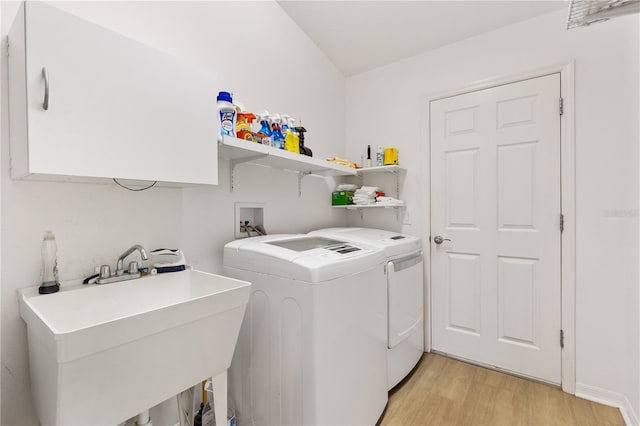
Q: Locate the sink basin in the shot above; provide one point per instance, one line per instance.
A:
(101, 354)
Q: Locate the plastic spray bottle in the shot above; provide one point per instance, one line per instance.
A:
(291, 138)
(243, 125)
(303, 149)
(285, 122)
(278, 137)
(265, 128)
(227, 112)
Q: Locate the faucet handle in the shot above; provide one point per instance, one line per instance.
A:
(133, 267)
(105, 271)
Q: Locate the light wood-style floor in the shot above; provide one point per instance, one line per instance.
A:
(443, 391)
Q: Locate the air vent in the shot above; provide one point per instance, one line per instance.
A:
(587, 12)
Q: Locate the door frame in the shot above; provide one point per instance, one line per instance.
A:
(567, 203)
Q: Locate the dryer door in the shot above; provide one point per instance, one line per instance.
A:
(405, 291)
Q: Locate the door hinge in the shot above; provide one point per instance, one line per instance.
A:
(561, 222)
(561, 104)
(561, 339)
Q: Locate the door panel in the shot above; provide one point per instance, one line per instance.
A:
(464, 292)
(517, 300)
(516, 186)
(462, 195)
(495, 188)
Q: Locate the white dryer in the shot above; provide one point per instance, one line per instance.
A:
(405, 286)
(312, 346)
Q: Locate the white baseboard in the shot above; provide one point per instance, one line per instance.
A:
(613, 399)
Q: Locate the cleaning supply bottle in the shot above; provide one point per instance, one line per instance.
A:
(49, 251)
(380, 157)
(291, 138)
(303, 149)
(285, 123)
(277, 136)
(227, 112)
(265, 127)
(243, 125)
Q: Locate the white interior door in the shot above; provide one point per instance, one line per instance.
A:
(495, 194)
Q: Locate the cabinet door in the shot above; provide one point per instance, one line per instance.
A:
(117, 108)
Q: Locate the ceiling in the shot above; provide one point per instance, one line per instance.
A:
(358, 36)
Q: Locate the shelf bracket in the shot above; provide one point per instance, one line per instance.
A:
(237, 161)
(300, 176)
(358, 209)
(397, 175)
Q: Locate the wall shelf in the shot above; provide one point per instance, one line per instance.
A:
(360, 208)
(381, 169)
(240, 151)
(391, 169)
(370, 206)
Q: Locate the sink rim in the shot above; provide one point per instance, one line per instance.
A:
(28, 295)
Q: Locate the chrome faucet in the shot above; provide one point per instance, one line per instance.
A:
(143, 255)
(105, 276)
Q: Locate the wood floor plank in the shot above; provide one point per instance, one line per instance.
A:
(447, 392)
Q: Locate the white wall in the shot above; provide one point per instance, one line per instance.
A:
(255, 50)
(2, 72)
(95, 223)
(388, 106)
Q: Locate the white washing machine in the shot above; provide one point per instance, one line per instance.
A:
(312, 346)
(405, 286)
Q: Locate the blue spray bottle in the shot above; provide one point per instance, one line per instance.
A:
(278, 137)
(265, 128)
(285, 123)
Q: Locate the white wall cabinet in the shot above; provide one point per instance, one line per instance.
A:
(116, 108)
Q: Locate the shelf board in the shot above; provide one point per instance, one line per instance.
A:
(381, 169)
(240, 151)
(370, 206)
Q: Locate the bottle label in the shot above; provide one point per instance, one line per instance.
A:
(226, 123)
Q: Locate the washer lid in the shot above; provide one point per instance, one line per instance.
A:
(393, 243)
(301, 257)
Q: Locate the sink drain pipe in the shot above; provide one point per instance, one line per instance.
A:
(143, 419)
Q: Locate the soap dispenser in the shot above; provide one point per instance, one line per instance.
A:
(49, 252)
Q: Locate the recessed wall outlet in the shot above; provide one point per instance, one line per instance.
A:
(248, 216)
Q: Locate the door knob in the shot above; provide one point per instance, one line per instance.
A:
(439, 240)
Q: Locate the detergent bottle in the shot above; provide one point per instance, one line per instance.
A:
(277, 136)
(291, 138)
(243, 125)
(227, 112)
(265, 128)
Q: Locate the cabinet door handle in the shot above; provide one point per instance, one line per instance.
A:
(45, 102)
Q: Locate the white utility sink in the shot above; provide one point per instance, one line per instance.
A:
(100, 354)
